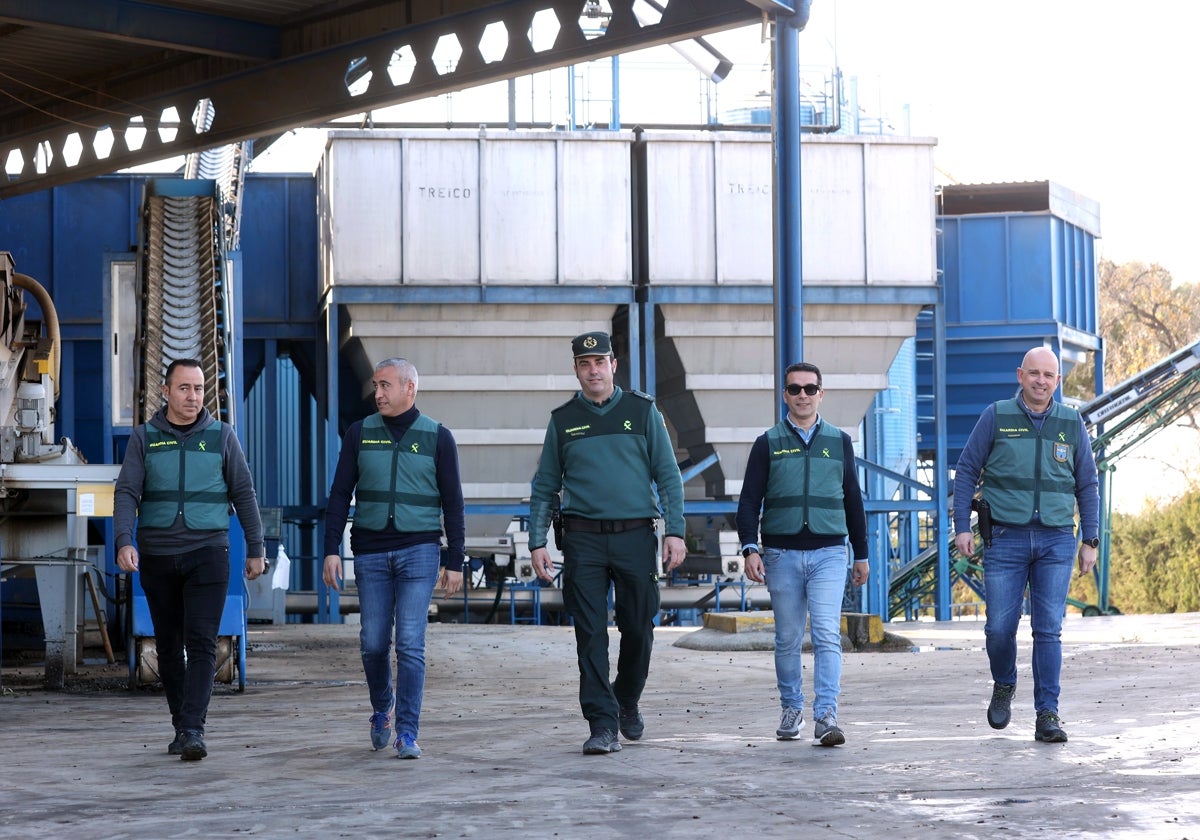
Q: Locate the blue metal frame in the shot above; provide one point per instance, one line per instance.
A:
(789, 312)
(940, 465)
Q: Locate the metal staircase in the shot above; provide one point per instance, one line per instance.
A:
(1124, 417)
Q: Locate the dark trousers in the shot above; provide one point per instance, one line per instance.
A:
(186, 595)
(590, 563)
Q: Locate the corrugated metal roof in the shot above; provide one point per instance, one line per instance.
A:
(1021, 197)
(271, 11)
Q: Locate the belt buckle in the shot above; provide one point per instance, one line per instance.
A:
(608, 526)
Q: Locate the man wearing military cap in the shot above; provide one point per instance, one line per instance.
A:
(608, 452)
(592, 344)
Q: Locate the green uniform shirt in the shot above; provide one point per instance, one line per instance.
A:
(603, 459)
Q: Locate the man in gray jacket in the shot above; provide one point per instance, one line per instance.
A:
(181, 473)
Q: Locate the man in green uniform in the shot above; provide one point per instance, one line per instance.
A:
(608, 452)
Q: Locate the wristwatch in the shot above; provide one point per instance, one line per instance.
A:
(748, 550)
(1094, 542)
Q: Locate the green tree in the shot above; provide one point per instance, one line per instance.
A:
(1154, 555)
(1144, 317)
(1155, 559)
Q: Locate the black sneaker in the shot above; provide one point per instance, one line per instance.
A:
(602, 741)
(176, 746)
(999, 712)
(193, 748)
(1049, 729)
(631, 723)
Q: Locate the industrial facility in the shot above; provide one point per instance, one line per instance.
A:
(713, 254)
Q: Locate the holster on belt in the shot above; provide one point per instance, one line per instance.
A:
(984, 510)
(556, 521)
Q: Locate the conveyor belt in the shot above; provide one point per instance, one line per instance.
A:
(183, 312)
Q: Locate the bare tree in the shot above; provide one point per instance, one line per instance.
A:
(1144, 317)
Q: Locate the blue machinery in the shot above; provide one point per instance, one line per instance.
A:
(1061, 251)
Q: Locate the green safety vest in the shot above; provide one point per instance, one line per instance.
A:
(1029, 470)
(804, 484)
(397, 480)
(185, 477)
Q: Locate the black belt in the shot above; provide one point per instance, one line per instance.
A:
(604, 526)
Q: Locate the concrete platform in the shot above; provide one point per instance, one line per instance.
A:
(502, 733)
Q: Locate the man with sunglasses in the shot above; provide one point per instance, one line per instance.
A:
(1034, 458)
(801, 481)
(607, 450)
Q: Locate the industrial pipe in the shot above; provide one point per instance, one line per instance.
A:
(50, 316)
(481, 599)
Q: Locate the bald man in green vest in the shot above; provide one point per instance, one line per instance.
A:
(1034, 460)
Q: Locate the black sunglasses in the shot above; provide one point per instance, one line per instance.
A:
(794, 390)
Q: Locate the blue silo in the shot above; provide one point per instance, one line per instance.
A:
(1018, 262)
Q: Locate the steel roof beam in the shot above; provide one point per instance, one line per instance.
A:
(148, 23)
(307, 88)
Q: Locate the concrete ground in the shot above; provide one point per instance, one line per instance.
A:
(502, 732)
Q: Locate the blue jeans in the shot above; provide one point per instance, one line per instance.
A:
(186, 596)
(1042, 559)
(394, 590)
(808, 584)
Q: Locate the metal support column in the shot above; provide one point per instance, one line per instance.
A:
(1104, 554)
(789, 330)
(614, 118)
(328, 607)
(941, 470)
(641, 327)
(60, 592)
